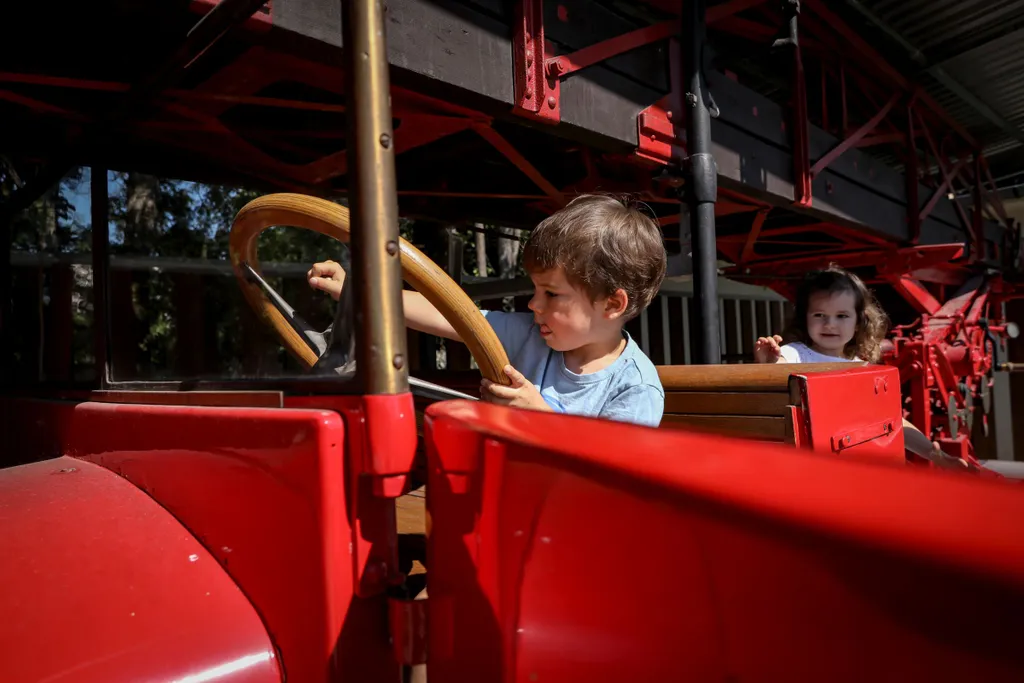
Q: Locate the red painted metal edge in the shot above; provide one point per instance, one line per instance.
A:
(784, 565)
(103, 584)
(268, 493)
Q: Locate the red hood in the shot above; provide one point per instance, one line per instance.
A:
(100, 583)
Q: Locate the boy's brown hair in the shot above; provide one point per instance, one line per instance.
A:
(872, 323)
(603, 245)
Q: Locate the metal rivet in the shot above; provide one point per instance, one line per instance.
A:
(552, 102)
(385, 140)
(399, 361)
(392, 248)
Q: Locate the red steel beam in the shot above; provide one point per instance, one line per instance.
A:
(854, 137)
(942, 189)
(911, 176)
(172, 93)
(755, 230)
(522, 163)
(947, 177)
(994, 199)
(592, 54)
(38, 105)
(885, 258)
(881, 139)
(872, 57)
(915, 293)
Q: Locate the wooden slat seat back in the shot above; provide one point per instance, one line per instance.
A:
(750, 401)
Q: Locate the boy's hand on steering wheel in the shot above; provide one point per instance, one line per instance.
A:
(328, 277)
(522, 394)
(767, 349)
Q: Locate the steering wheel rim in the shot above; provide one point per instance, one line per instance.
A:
(328, 218)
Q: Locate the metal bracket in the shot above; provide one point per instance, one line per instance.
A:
(854, 437)
(536, 93)
(656, 135)
(538, 77)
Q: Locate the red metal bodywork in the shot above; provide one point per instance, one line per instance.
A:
(272, 496)
(100, 583)
(946, 360)
(537, 521)
(854, 413)
(575, 550)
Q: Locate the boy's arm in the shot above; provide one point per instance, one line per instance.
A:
(641, 404)
(421, 316)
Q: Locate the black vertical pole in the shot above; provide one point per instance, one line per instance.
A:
(701, 186)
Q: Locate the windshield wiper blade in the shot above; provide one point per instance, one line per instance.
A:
(314, 340)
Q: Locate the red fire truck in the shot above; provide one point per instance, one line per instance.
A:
(355, 523)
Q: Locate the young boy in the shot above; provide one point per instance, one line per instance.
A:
(595, 265)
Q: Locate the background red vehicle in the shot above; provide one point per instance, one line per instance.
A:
(178, 507)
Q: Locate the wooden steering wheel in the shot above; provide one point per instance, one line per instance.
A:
(331, 219)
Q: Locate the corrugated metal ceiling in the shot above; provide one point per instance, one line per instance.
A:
(976, 43)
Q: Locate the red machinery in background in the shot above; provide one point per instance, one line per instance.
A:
(947, 357)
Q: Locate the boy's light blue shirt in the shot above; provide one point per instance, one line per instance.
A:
(628, 390)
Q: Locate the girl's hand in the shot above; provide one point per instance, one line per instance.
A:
(767, 349)
(328, 277)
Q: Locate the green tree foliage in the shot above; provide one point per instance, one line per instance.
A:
(178, 317)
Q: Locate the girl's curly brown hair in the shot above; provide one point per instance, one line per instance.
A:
(872, 323)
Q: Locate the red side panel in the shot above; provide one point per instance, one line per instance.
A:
(566, 549)
(266, 491)
(856, 412)
(99, 583)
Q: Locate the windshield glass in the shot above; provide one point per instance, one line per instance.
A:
(175, 310)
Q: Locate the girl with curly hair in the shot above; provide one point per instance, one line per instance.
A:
(837, 319)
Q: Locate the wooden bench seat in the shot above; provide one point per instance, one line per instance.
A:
(751, 401)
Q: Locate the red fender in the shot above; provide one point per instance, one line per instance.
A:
(100, 583)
